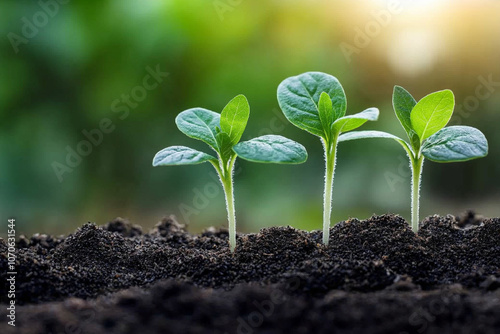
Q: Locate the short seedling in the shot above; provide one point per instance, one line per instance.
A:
(424, 123)
(316, 102)
(222, 132)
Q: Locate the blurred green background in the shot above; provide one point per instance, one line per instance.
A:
(69, 66)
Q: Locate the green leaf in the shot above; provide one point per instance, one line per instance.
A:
(326, 115)
(432, 113)
(224, 143)
(455, 143)
(199, 123)
(403, 103)
(414, 140)
(180, 155)
(271, 149)
(354, 135)
(351, 122)
(299, 96)
(234, 118)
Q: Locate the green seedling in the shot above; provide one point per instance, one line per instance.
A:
(222, 132)
(424, 122)
(316, 102)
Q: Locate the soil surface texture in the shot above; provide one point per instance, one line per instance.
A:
(376, 276)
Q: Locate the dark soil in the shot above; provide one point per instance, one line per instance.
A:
(376, 276)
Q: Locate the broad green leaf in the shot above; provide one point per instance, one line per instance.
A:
(326, 114)
(199, 123)
(180, 155)
(455, 143)
(234, 118)
(432, 113)
(351, 122)
(299, 96)
(224, 143)
(372, 134)
(403, 103)
(271, 149)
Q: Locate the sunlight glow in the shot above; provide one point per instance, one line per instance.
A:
(415, 4)
(413, 52)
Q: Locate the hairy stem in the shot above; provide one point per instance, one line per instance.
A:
(228, 191)
(330, 155)
(226, 176)
(416, 169)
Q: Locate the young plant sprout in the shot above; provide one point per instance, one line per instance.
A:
(424, 123)
(316, 102)
(222, 132)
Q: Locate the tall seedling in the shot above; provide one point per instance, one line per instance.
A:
(316, 102)
(222, 132)
(424, 122)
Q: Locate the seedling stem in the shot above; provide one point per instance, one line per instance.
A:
(330, 147)
(226, 177)
(416, 168)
